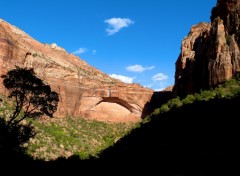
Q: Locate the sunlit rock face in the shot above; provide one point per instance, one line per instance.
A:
(210, 53)
(83, 90)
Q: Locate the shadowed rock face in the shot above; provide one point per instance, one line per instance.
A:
(210, 53)
(83, 89)
(191, 67)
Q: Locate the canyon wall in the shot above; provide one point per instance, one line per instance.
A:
(83, 90)
(210, 53)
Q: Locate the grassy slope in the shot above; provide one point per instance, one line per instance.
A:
(64, 137)
(73, 136)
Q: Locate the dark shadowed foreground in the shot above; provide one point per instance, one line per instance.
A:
(195, 139)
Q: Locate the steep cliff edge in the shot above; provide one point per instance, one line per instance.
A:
(83, 89)
(210, 53)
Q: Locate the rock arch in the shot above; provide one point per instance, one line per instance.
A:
(114, 109)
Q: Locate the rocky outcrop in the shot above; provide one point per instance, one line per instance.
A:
(191, 66)
(210, 53)
(225, 41)
(84, 90)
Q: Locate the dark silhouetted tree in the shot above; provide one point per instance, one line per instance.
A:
(32, 98)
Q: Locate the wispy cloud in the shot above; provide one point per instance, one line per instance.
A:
(94, 52)
(159, 77)
(160, 85)
(139, 68)
(122, 78)
(160, 89)
(157, 85)
(84, 50)
(160, 81)
(79, 51)
(116, 24)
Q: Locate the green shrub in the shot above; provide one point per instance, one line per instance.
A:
(189, 99)
(221, 92)
(176, 102)
(207, 95)
(164, 108)
(74, 136)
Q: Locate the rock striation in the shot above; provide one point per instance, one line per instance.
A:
(83, 90)
(210, 53)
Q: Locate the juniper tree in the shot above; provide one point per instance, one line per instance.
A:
(31, 96)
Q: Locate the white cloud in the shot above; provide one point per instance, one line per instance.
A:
(122, 78)
(159, 77)
(94, 52)
(158, 90)
(116, 24)
(160, 86)
(138, 68)
(157, 85)
(79, 51)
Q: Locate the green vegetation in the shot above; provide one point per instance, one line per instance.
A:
(34, 54)
(22, 129)
(29, 98)
(227, 90)
(63, 137)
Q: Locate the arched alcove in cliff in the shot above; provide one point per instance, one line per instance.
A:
(115, 110)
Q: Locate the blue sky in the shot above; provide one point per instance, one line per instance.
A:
(133, 40)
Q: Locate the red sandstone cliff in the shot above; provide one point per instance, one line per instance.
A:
(83, 89)
(210, 53)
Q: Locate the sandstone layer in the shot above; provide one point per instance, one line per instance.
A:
(84, 90)
(210, 53)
